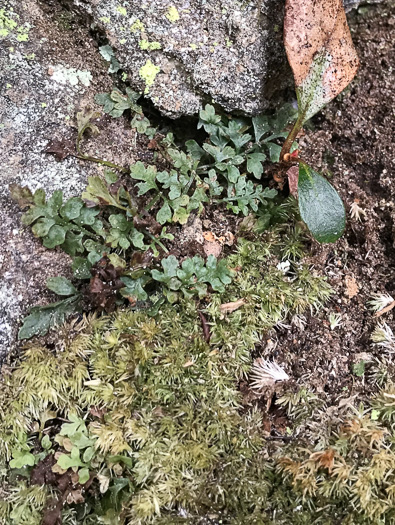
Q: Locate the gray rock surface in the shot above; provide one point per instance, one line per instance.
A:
(49, 69)
(229, 52)
(221, 51)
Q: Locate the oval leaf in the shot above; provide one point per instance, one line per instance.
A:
(319, 50)
(320, 206)
(61, 286)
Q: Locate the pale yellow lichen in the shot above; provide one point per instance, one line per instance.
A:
(172, 14)
(137, 26)
(8, 26)
(149, 46)
(122, 10)
(148, 73)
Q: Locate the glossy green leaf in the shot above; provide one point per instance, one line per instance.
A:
(55, 236)
(21, 458)
(66, 461)
(261, 126)
(41, 319)
(320, 206)
(164, 214)
(254, 164)
(83, 475)
(134, 288)
(81, 268)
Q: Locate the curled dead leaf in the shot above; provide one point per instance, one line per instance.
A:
(227, 308)
(210, 236)
(75, 496)
(385, 310)
(325, 459)
(293, 177)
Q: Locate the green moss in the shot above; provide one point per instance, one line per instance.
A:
(148, 73)
(65, 20)
(171, 404)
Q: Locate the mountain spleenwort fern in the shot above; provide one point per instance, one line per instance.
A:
(109, 222)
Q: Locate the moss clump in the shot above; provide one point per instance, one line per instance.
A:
(135, 420)
(346, 474)
(160, 404)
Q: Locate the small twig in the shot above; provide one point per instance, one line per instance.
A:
(292, 136)
(80, 154)
(385, 310)
(280, 438)
(227, 308)
(206, 328)
(205, 167)
(189, 184)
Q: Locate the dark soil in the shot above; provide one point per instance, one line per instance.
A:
(353, 141)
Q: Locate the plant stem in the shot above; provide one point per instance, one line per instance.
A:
(204, 168)
(189, 183)
(94, 159)
(102, 162)
(291, 137)
(157, 241)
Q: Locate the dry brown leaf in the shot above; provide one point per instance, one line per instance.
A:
(227, 308)
(320, 51)
(293, 176)
(229, 238)
(209, 236)
(75, 496)
(58, 469)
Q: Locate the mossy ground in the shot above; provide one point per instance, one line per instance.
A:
(332, 463)
(149, 418)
